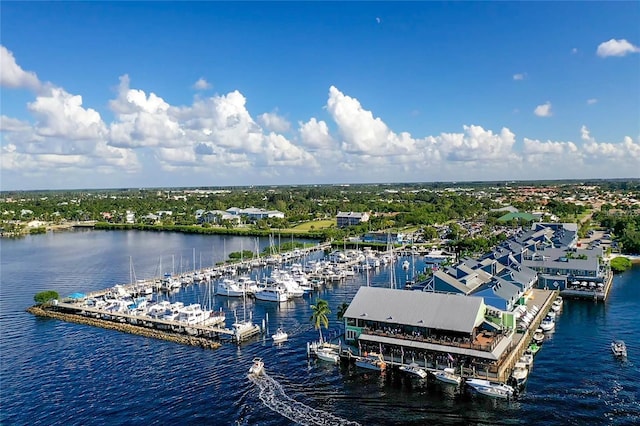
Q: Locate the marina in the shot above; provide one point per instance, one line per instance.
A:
(293, 314)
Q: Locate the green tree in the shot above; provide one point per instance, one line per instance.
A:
(45, 297)
(341, 310)
(320, 316)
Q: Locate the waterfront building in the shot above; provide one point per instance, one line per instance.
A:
(383, 237)
(435, 330)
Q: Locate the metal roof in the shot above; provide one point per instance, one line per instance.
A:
(423, 309)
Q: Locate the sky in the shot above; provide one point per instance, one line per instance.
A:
(200, 94)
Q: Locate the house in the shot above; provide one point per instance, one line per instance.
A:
(253, 214)
(217, 216)
(344, 219)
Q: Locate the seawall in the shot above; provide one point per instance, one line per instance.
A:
(125, 328)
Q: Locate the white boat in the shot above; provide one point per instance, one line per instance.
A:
(538, 336)
(280, 336)
(547, 324)
(448, 375)
(257, 367)
(230, 288)
(328, 355)
(493, 389)
(405, 264)
(371, 361)
(493, 392)
(520, 373)
(619, 349)
(272, 293)
(414, 369)
(527, 359)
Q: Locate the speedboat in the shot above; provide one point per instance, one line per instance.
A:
(547, 324)
(520, 373)
(538, 336)
(371, 361)
(619, 349)
(527, 359)
(493, 389)
(448, 376)
(257, 367)
(327, 354)
(533, 349)
(414, 369)
(280, 336)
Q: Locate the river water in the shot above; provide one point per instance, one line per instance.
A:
(54, 372)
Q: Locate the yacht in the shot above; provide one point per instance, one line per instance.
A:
(328, 354)
(448, 375)
(619, 349)
(231, 288)
(272, 293)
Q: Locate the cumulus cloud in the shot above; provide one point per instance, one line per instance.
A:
(519, 76)
(274, 122)
(543, 110)
(201, 84)
(12, 75)
(315, 135)
(615, 47)
(592, 101)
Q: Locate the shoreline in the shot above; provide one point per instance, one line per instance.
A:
(125, 328)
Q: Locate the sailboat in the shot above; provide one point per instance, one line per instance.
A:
(246, 328)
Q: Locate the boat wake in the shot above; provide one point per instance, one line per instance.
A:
(274, 397)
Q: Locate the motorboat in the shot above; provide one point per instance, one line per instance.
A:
(230, 288)
(619, 349)
(371, 361)
(328, 355)
(447, 375)
(257, 367)
(279, 336)
(533, 348)
(527, 359)
(272, 293)
(414, 369)
(548, 324)
(520, 373)
(493, 389)
(493, 392)
(538, 336)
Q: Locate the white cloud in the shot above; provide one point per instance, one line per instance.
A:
(543, 110)
(592, 101)
(519, 76)
(202, 84)
(615, 47)
(315, 135)
(12, 75)
(142, 120)
(274, 122)
(574, 50)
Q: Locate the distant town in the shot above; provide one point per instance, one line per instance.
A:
(467, 219)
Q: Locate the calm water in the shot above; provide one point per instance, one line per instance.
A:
(59, 373)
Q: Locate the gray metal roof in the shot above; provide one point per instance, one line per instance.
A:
(424, 309)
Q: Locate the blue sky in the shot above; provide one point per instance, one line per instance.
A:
(98, 94)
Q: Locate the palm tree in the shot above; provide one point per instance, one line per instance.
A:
(341, 310)
(320, 315)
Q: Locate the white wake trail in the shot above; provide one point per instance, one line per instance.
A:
(274, 397)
